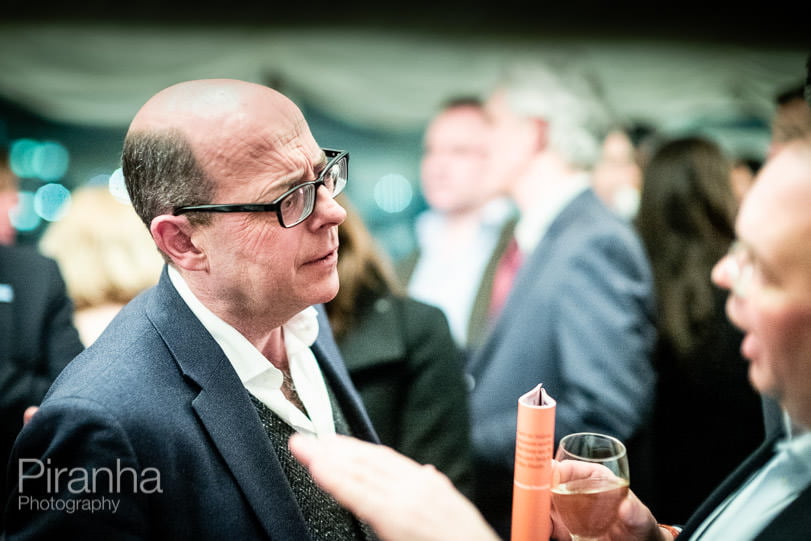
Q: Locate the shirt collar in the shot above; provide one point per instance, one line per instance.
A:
(248, 362)
(532, 225)
(491, 216)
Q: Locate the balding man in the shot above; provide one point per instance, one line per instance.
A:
(174, 424)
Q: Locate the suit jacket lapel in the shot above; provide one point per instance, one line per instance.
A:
(334, 370)
(479, 321)
(732, 483)
(529, 274)
(569, 215)
(225, 410)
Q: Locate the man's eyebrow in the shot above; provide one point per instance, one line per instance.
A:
(321, 163)
(291, 183)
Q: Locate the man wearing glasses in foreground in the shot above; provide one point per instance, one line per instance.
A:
(174, 424)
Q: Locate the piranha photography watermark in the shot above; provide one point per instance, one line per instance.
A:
(43, 486)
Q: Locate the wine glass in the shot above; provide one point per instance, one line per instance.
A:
(588, 502)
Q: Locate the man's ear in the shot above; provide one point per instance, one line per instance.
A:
(173, 235)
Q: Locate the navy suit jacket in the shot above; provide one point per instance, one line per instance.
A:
(155, 393)
(793, 523)
(580, 318)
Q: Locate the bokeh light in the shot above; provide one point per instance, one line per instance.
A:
(117, 186)
(51, 201)
(393, 193)
(23, 216)
(50, 161)
(47, 161)
(21, 157)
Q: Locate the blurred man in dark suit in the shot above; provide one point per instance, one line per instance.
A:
(37, 337)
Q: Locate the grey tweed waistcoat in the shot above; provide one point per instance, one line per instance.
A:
(325, 519)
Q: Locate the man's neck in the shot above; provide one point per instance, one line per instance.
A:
(262, 331)
(546, 174)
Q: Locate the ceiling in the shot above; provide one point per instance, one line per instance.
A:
(778, 27)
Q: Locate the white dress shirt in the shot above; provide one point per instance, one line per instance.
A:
(449, 276)
(768, 492)
(260, 377)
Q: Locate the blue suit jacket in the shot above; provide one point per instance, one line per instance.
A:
(580, 318)
(155, 393)
(793, 523)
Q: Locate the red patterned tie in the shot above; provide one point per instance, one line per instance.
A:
(503, 277)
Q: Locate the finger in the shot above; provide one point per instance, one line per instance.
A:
(29, 413)
(303, 447)
(346, 468)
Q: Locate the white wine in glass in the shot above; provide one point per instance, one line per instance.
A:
(588, 504)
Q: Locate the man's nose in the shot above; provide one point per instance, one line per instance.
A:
(721, 273)
(328, 207)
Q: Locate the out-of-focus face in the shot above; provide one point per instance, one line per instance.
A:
(773, 306)
(513, 143)
(617, 174)
(453, 161)
(256, 148)
(8, 200)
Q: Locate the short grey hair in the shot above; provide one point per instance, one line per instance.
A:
(567, 100)
(162, 173)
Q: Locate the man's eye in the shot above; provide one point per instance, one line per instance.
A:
(290, 201)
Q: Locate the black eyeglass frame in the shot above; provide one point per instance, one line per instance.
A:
(334, 157)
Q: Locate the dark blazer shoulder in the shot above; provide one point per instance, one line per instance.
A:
(600, 222)
(31, 273)
(23, 255)
(732, 483)
(385, 329)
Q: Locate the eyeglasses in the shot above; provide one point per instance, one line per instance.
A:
(740, 268)
(295, 205)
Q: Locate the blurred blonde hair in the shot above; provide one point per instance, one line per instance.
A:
(105, 253)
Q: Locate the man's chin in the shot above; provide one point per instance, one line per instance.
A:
(327, 293)
(762, 381)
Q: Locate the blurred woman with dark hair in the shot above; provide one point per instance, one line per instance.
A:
(707, 417)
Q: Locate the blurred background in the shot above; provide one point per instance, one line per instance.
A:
(369, 78)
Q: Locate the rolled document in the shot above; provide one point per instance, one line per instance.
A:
(534, 445)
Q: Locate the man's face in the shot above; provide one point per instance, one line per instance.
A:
(774, 310)
(513, 143)
(453, 160)
(254, 265)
